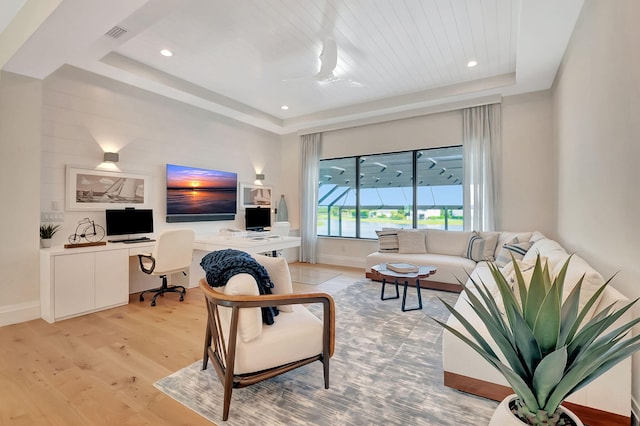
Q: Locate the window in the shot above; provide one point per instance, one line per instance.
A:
(358, 195)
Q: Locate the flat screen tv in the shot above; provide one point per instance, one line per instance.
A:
(195, 194)
(257, 218)
(129, 221)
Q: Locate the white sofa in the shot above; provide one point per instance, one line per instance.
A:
(448, 251)
(606, 401)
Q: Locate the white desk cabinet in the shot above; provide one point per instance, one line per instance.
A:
(74, 282)
(82, 280)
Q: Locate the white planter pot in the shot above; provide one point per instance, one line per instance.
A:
(45, 242)
(503, 416)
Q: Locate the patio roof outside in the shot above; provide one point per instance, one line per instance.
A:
(429, 197)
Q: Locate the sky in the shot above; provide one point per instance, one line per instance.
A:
(191, 177)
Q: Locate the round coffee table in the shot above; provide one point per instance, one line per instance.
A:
(386, 274)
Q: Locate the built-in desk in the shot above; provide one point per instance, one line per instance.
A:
(85, 279)
(251, 245)
(78, 281)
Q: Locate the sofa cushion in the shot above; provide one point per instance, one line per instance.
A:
(482, 247)
(515, 248)
(590, 284)
(388, 241)
(550, 249)
(278, 270)
(536, 236)
(508, 236)
(450, 268)
(411, 241)
(453, 243)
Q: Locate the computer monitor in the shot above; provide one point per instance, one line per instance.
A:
(129, 221)
(257, 218)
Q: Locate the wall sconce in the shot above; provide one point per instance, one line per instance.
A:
(111, 157)
(259, 179)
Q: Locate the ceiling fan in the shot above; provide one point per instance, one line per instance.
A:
(328, 63)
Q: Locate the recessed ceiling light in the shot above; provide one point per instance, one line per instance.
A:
(166, 52)
(284, 107)
(472, 64)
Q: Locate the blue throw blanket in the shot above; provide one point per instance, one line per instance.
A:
(219, 266)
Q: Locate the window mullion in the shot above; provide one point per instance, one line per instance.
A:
(357, 159)
(414, 206)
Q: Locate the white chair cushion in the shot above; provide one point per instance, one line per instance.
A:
(278, 270)
(249, 319)
(294, 336)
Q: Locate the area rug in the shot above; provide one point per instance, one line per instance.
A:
(387, 370)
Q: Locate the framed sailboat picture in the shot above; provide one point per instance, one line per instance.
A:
(88, 189)
(255, 195)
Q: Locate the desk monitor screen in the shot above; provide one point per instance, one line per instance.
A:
(257, 218)
(129, 221)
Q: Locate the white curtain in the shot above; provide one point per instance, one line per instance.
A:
(481, 145)
(311, 148)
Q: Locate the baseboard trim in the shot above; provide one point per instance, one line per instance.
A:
(590, 416)
(20, 312)
(350, 262)
(635, 412)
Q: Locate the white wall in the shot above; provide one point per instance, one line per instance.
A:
(85, 115)
(597, 105)
(20, 100)
(528, 164)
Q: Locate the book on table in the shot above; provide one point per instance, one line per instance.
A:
(402, 268)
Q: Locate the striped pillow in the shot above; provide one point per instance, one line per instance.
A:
(481, 248)
(388, 241)
(514, 247)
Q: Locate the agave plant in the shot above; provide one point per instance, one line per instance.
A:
(47, 231)
(551, 350)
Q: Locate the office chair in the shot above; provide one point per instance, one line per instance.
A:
(242, 351)
(172, 253)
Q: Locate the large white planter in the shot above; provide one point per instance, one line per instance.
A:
(45, 242)
(503, 416)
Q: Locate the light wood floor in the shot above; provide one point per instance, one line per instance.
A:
(99, 369)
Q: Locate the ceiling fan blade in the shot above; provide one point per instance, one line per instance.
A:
(328, 60)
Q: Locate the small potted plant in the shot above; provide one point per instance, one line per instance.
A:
(551, 350)
(46, 233)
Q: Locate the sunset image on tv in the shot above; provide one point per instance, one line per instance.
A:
(192, 190)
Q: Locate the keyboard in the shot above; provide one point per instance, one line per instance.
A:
(137, 240)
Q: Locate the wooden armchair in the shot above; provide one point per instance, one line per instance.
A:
(244, 351)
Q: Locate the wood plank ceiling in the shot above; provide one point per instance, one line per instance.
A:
(264, 53)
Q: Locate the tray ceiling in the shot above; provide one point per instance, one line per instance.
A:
(245, 59)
